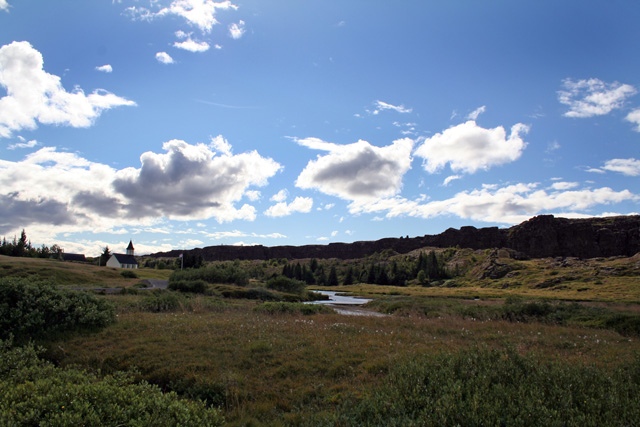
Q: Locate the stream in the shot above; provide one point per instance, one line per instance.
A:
(347, 305)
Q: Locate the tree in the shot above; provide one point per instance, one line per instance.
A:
(106, 254)
(333, 277)
(348, 278)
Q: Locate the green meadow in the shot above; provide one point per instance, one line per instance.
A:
(542, 342)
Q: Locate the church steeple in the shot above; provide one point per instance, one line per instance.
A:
(130, 248)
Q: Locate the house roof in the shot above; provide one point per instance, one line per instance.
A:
(73, 257)
(125, 259)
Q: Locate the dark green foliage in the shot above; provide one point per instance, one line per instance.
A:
(192, 286)
(285, 284)
(333, 277)
(22, 248)
(348, 277)
(162, 301)
(226, 272)
(498, 387)
(34, 392)
(129, 274)
(292, 308)
(30, 309)
(104, 257)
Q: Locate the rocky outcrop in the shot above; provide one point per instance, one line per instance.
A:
(541, 236)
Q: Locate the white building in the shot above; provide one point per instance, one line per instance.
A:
(123, 260)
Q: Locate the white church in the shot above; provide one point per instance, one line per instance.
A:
(123, 260)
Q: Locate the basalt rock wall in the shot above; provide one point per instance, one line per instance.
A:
(541, 236)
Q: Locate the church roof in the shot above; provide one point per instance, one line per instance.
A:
(125, 259)
(130, 245)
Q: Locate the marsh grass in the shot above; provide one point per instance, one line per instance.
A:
(271, 367)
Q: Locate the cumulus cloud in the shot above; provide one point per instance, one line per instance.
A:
(199, 13)
(468, 147)
(629, 167)
(593, 97)
(634, 117)
(190, 181)
(476, 113)
(192, 45)
(356, 171)
(4, 5)
(35, 96)
(508, 205)
(220, 144)
(236, 30)
(164, 58)
(380, 106)
(299, 204)
(564, 185)
(105, 68)
(280, 196)
(448, 179)
(186, 182)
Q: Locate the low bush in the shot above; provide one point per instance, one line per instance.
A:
(160, 302)
(33, 310)
(285, 284)
(34, 392)
(292, 308)
(192, 286)
(128, 274)
(498, 387)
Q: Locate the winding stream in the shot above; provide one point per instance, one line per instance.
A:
(347, 305)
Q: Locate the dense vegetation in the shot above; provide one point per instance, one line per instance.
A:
(29, 309)
(35, 392)
(22, 248)
(468, 337)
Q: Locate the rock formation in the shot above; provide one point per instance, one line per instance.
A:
(541, 236)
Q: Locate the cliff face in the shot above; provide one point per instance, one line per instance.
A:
(540, 237)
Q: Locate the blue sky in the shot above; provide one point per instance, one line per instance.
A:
(189, 123)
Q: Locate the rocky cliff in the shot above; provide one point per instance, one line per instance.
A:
(541, 236)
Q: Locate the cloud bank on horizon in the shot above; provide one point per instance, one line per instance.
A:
(90, 170)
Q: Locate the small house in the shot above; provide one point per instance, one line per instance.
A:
(73, 257)
(123, 260)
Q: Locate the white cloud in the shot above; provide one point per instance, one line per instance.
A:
(564, 185)
(164, 58)
(334, 233)
(199, 13)
(192, 45)
(299, 204)
(593, 97)
(50, 191)
(35, 96)
(28, 144)
(468, 147)
(508, 205)
(221, 145)
(382, 106)
(629, 167)
(105, 68)
(253, 195)
(357, 171)
(634, 117)
(4, 5)
(595, 170)
(192, 182)
(280, 196)
(476, 113)
(448, 179)
(237, 30)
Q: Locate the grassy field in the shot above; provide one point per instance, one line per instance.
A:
(552, 324)
(72, 274)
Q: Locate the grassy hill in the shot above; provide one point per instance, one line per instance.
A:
(72, 274)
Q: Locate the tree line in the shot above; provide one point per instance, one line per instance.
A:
(22, 248)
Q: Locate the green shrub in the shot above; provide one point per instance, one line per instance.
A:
(285, 284)
(292, 308)
(34, 392)
(192, 286)
(36, 309)
(498, 387)
(128, 274)
(159, 302)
